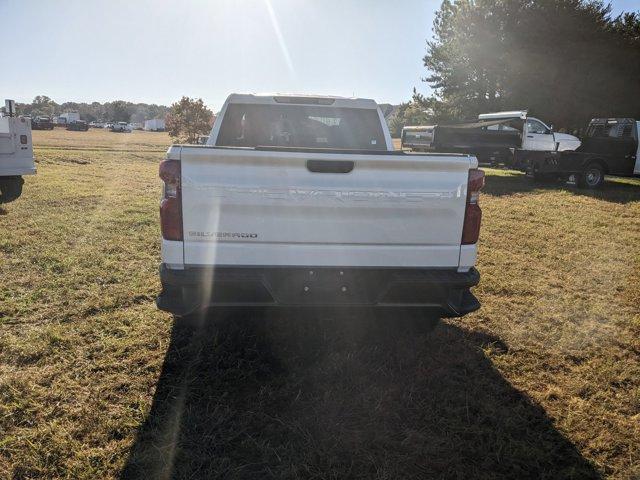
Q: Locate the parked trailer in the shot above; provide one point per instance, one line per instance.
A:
(154, 125)
(69, 117)
(16, 153)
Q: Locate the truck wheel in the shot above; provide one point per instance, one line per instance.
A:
(592, 176)
(10, 188)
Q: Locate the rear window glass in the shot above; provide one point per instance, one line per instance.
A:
(418, 135)
(612, 129)
(303, 126)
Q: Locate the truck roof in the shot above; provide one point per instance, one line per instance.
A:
(418, 128)
(603, 121)
(521, 114)
(321, 100)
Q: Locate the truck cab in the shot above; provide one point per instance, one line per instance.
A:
(16, 153)
(536, 135)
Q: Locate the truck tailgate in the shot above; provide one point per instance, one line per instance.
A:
(256, 207)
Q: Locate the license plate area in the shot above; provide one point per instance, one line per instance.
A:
(315, 286)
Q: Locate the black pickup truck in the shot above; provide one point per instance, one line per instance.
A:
(41, 123)
(491, 141)
(610, 147)
(78, 126)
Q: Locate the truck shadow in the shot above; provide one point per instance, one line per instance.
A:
(509, 182)
(341, 398)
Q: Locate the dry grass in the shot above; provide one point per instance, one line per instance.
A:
(542, 382)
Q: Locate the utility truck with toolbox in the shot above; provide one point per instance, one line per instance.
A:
(610, 147)
(492, 138)
(16, 152)
(301, 201)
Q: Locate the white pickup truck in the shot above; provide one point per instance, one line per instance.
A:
(302, 201)
(16, 153)
(121, 127)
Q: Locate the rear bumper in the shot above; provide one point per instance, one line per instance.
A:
(17, 172)
(445, 292)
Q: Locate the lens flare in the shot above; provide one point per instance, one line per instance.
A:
(281, 40)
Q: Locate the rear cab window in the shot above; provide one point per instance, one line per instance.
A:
(301, 126)
(612, 128)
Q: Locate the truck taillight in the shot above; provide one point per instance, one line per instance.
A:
(171, 204)
(473, 213)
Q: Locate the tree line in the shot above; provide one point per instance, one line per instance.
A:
(185, 120)
(116, 111)
(566, 61)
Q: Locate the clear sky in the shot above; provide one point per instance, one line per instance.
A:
(155, 51)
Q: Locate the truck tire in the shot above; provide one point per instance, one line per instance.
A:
(592, 176)
(10, 188)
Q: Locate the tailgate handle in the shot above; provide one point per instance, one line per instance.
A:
(330, 166)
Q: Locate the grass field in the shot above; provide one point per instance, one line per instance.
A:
(542, 382)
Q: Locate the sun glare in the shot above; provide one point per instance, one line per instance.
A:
(281, 40)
